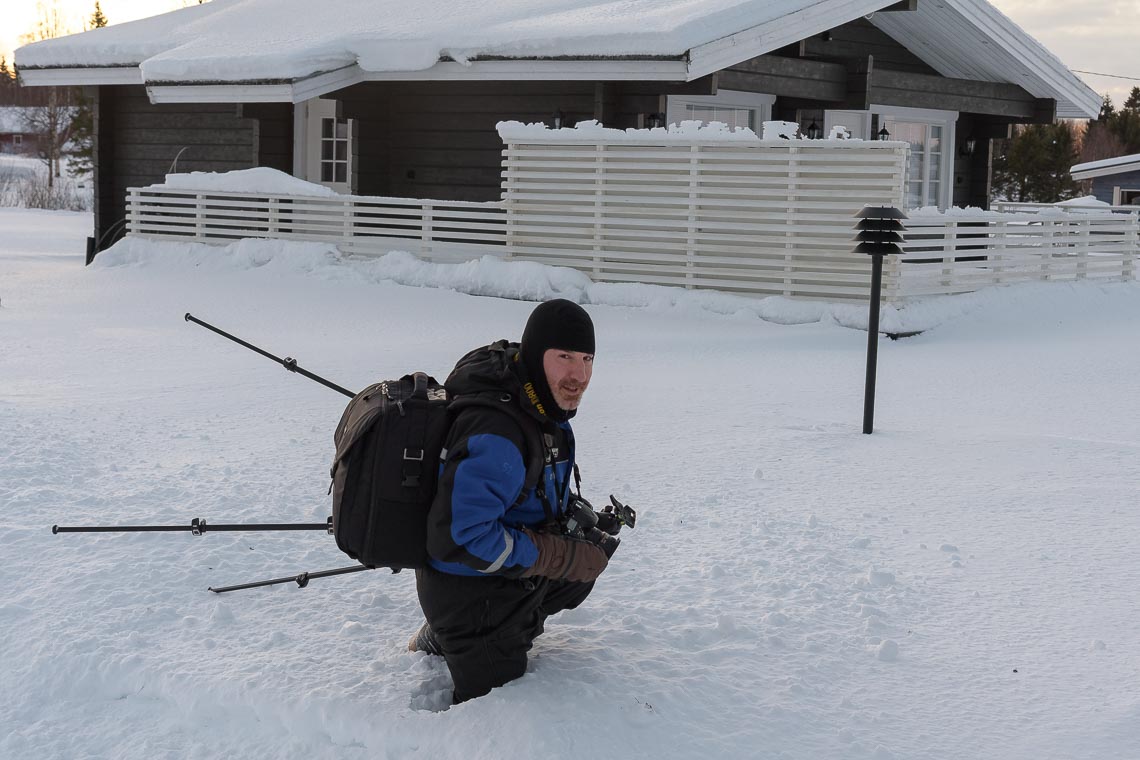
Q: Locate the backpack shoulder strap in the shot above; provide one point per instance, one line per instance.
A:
(536, 450)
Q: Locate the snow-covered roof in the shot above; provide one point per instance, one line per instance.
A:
(12, 120)
(268, 43)
(1118, 165)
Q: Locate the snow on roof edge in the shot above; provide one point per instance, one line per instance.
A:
(1117, 164)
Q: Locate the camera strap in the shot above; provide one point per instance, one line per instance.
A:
(560, 489)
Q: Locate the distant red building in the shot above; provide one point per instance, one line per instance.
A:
(15, 136)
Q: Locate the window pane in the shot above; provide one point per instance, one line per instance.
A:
(326, 172)
(326, 150)
(342, 129)
(341, 172)
(341, 150)
(326, 127)
(733, 117)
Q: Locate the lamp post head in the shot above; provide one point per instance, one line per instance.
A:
(880, 230)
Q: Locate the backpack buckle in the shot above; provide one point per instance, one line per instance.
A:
(414, 455)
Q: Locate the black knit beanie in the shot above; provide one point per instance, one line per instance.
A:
(555, 324)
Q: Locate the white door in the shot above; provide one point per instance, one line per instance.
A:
(327, 146)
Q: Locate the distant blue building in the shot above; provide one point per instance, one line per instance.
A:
(1114, 180)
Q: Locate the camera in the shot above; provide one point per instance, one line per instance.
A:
(584, 522)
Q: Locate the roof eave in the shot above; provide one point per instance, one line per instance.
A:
(1105, 171)
(306, 88)
(60, 76)
(773, 35)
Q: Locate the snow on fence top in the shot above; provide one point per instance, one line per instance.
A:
(776, 134)
(261, 179)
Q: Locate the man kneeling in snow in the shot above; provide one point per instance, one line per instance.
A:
(500, 564)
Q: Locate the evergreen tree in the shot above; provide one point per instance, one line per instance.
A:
(82, 152)
(1133, 101)
(1107, 110)
(7, 83)
(97, 20)
(1034, 165)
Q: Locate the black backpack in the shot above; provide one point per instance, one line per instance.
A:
(388, 450)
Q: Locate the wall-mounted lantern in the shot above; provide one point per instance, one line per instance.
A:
(884, 134)
(969, 145)
(813, 131)
(655, 120)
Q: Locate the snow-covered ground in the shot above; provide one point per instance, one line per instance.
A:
(23, 176)
(963, 583)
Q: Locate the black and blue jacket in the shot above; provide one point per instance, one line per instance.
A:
(475, 521)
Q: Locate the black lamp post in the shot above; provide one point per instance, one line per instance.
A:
(884, 134)
(880, 232)
(813, 131)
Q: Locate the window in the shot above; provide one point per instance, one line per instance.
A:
(924, 169)
(736, 109)
(733, 117)
(1128, 197)
(334, 150)
(930, 165)
(17, 140)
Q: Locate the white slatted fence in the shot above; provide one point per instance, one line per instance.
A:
(433, 230)
(959, 253)
(764, 218)
(758, 218)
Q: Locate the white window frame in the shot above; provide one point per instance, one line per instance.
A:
(307, 119)
(1118, 195)
(858, 123)
(677, 106)
(17, 140)
(948, 120)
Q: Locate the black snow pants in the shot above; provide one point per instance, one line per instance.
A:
(485, 625)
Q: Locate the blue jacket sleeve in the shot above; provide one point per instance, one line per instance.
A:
(481, 478)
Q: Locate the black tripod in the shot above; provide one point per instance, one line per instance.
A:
(199, 526)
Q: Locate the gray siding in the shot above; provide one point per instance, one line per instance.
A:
(1103, 187)
(137, 143)
(438, 139)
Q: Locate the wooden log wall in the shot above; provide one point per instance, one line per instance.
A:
(438, 139)
(137, 143)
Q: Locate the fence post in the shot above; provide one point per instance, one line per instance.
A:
(999, 249)
(132, 210)
(599, 200)
(199, 217)
(949, 244)
(274, 217)
(790, 220)
(346, 223)
(695, 156)
(1047, 248)
(427, 231)
(1132, 238)
(1084, 242)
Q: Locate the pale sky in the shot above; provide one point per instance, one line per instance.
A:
(1100, 36)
